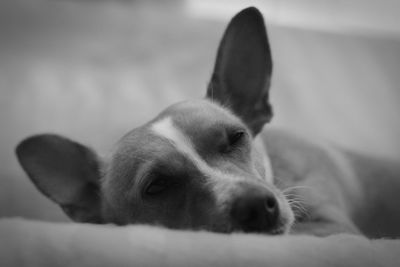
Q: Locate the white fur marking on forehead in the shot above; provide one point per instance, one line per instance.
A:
(166, 128)
(261, 150)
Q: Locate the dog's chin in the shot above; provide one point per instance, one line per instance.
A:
(277, 231)
(228, 229)
(280, 231)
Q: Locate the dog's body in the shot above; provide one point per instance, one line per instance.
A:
(342, 191)
(207, 164)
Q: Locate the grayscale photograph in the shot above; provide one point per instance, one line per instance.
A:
(200, 133)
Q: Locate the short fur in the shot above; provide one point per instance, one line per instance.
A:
(207, 164)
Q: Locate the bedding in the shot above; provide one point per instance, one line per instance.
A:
(33, 243)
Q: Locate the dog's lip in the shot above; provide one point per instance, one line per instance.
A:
(278, 231)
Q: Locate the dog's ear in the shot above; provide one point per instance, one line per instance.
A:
(66, 172)
(243, 68)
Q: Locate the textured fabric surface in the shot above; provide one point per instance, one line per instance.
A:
(30, 243)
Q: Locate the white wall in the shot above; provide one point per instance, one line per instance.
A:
(380, 17)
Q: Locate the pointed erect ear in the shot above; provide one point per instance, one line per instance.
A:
(66, 172)
(243, 68)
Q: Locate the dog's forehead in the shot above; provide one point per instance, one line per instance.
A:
(197, 122)
(195, 118)
(202, 123)
(199, 113)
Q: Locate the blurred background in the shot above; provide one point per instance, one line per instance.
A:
(92, 70)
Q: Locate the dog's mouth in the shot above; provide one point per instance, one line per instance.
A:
(275, 231)
(282, 228)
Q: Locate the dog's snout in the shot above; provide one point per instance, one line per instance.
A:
(256, 211)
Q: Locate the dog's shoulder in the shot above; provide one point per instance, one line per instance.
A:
(300, 160)
(302, 154)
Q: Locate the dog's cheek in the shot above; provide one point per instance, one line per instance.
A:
(202, 208)
(114, 215)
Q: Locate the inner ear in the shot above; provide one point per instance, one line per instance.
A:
(243, 68)
(66, 172)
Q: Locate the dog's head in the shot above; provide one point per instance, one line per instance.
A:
(196, 165)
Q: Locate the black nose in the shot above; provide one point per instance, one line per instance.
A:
(255, 211)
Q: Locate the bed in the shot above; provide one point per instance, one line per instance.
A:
(34, 243)
(149, 64)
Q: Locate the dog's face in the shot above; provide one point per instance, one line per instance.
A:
(195, 166)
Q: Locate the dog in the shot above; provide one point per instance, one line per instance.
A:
(208, 164)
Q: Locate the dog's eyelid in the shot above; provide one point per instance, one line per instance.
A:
(158, 183)
(236, 135)
(156, 186)
(235, 139)
(161, 174)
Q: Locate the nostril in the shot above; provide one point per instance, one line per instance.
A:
(270, 204)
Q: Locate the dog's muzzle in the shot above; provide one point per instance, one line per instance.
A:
(255, 209)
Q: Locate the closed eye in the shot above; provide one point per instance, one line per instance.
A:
(236, 137)
(157, 187)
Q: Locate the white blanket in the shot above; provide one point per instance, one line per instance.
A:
(31, 243)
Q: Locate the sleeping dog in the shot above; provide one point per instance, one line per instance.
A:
(208, 164)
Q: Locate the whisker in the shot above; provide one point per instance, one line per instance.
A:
(301, 213)
(295, 197)
(297, 205)
(297, 187)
